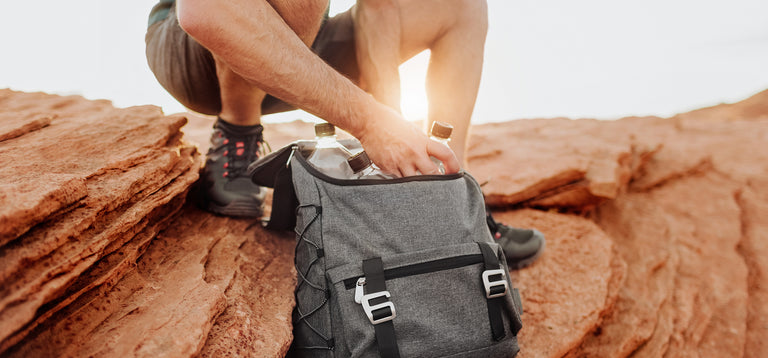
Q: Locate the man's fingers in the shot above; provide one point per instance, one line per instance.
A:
(405, 151)
(427, 167)
(407, 172)
(445, 155)
(395, 171)
(421, 164)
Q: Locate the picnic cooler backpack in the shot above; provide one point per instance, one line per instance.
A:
(400, 267)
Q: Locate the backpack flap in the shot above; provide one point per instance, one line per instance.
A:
(264, 171)
(274, 171)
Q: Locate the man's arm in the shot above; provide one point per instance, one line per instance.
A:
(252, 38)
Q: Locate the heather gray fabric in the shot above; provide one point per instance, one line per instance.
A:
(441, 313)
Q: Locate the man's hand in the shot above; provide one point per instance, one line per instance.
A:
(400, 148)
(393, 144)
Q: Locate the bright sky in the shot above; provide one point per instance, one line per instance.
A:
(544, 58)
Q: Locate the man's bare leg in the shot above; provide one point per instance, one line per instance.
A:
(453, 77)
(241, 99)
(455, 33)
(237, 137)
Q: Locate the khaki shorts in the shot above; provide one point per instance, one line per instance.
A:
(188, 72)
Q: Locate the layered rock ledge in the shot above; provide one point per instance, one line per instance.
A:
(85, 270)
(683, 202)
(656, 234)
(84, 189)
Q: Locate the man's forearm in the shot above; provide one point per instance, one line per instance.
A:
(252, 38)
(254, 41)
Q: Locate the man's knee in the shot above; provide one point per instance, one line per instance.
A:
(468, 17)
(473, 14)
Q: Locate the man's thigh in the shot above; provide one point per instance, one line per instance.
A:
(182, 66)
(187, 70)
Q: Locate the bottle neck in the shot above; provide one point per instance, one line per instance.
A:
(441, 140)
(365, 171)
(326, 141)
(368, 169)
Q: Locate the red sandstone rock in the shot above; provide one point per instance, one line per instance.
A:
(45, 170)
(212, 283)
(668, 257)
(17, 124)
(570, 288)
(257, 319)
(75, 192)
(86, 189)
(754, 108)
(558, 163)
(644, 246)
(693, 192)
(753, 203)
(682, 221)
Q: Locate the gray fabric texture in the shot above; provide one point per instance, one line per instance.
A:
(440, 313)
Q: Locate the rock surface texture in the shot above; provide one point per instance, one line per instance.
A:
(657, 237)
(683, 203)
(99, 256)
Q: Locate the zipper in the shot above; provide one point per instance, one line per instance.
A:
(355, 182)
(448, 263)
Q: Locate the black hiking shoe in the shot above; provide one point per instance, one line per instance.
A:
(521, 246)
(226, 187)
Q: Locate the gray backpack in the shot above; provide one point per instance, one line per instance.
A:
(401, 267)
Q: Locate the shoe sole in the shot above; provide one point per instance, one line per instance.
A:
(236, 209)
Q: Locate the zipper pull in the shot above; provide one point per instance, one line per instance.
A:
(359, 290)
(294, 148)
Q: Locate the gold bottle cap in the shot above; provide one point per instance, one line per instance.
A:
(359, 162)
(324, 129)
(441, 130)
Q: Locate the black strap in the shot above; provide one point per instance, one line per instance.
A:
(495, 305)
(284, 201)
(385, 331)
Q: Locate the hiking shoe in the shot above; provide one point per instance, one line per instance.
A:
(226, 187)
(521, 246)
